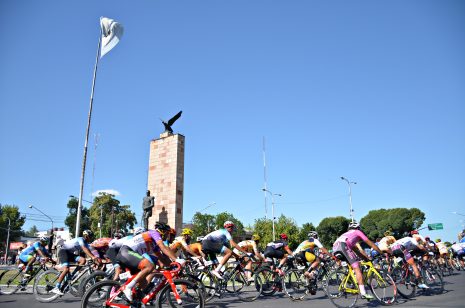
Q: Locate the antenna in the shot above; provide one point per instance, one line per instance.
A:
(264, 177)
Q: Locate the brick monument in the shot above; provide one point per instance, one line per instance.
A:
(166, 179)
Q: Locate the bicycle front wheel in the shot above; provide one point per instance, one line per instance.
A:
(296, 285)
(90, 280)
(433, 279)
(10, 280)
(341, 290)
(405, 282)
(268, 278)
(104, 294)
(383, 288)
(246, 289)
(44, 283)
(190, 295)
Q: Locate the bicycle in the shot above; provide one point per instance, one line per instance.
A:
(342, 285)
(165, 288)
(46, 281)
(95, 277)
(14, 279)
(404, 277)
(272, 278)
(431, 277)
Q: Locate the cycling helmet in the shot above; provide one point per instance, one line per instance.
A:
(413, 232)
(283, 236)
(162, 227)
(187, 231)
(387, 233)
(427, 238)
(312, 234)
(228, 224)
(43, 239)
(200, 238)
(138, 230)
(118, 234)
(438, 240)
(354, 225)
(255, 237)
(88, 233)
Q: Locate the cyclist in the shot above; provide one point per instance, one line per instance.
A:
(405, 247)
(135, 254)
(280, 250)
(74, 250)
(114, 247)
(196, 248)
(348, 245)
(220, 241)
(305, 252)
(251, 246)
(458, 250)
(443, 251)
(181, 243)
(28, 255)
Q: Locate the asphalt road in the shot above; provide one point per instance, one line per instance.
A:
(453, 296)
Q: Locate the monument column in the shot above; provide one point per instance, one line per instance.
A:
(166, 179)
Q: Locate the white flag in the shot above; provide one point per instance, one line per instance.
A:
(112, 32)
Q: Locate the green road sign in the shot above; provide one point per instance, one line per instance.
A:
(438, 226)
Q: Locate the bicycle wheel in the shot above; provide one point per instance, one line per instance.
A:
(76, 281)
(405, 282)
(246, 290)
(210, 284)
(44, 283)
(295, 284)
(90, 280)
(383, 288)
(190, 295)
(103, 294)
(433, 279)
(341, 290)
(10, 280)
(268, 279)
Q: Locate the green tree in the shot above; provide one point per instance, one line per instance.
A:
(397, 220)
(221, 218)
(330, 228)
(32, 231)
(288, 226)
(16, 222)
(70, 220)
(203, 224)
(263, 227)
(114, 216)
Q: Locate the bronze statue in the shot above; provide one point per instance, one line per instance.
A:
(171, 122)
(147, 205)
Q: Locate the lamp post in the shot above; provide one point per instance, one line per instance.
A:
(272, 207)
(350, 197)
(33, 207)
(7, 241)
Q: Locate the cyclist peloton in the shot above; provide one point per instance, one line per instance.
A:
(305, 252)
(135, 254)
(74, 250)
(181, 243)
(348, 245)
(280, 250)
(28, 255)
(251, 246)
(220, 241)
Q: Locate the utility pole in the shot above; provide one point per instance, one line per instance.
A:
(7, 241)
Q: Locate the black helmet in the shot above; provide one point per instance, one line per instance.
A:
(89, 233)
(162, 227)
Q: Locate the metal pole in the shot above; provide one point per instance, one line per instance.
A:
(350, 197)
(7, 241)
(272, 213)
(31, 206)
(81, 188)
(101, 219)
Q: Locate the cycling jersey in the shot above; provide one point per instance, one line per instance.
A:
(144, 242)
(75, 245)
(117, 243)
(420, 239)
(308, 245)
(29, 252)
(216, 242)
(248, 245)
(352, 237)
(409, 243)
(277, 245)
(442, 248)
(179, 242)
(386, 242)
(196, 248)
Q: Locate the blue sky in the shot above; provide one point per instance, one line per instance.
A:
(370, 90)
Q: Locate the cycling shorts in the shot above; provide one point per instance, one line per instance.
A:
(348, 254)
(65, 257)
(270, 252)
(112, 252)
(400, 251)
(211, 249)
(130, 259)
(306, 256)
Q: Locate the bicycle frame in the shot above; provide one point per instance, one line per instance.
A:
(351, 277)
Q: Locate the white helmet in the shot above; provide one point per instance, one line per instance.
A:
(354, 225)
(139, 230)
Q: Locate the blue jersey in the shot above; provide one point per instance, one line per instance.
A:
(75, 245)
(34, 249)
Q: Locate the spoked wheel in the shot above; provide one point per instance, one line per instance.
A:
(268, 279)
(210, 286)
(342, 292)
(90, 280)
(10, 280)
(246, 289)
(190, 295)
(44, 283)
(383, 288)
(434, 280)
(104, 294)
(295, 284)
(405, 282)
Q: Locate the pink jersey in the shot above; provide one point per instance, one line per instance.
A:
(352, 237)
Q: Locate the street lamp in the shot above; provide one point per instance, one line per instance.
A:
(272, 207)
(31, 206)
(350, 196)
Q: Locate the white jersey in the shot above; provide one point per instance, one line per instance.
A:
(408, 242)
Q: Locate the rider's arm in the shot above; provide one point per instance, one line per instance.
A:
(166, 251)
(288, 250)
(372, 245)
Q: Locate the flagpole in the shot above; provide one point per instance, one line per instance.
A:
(81, 189)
